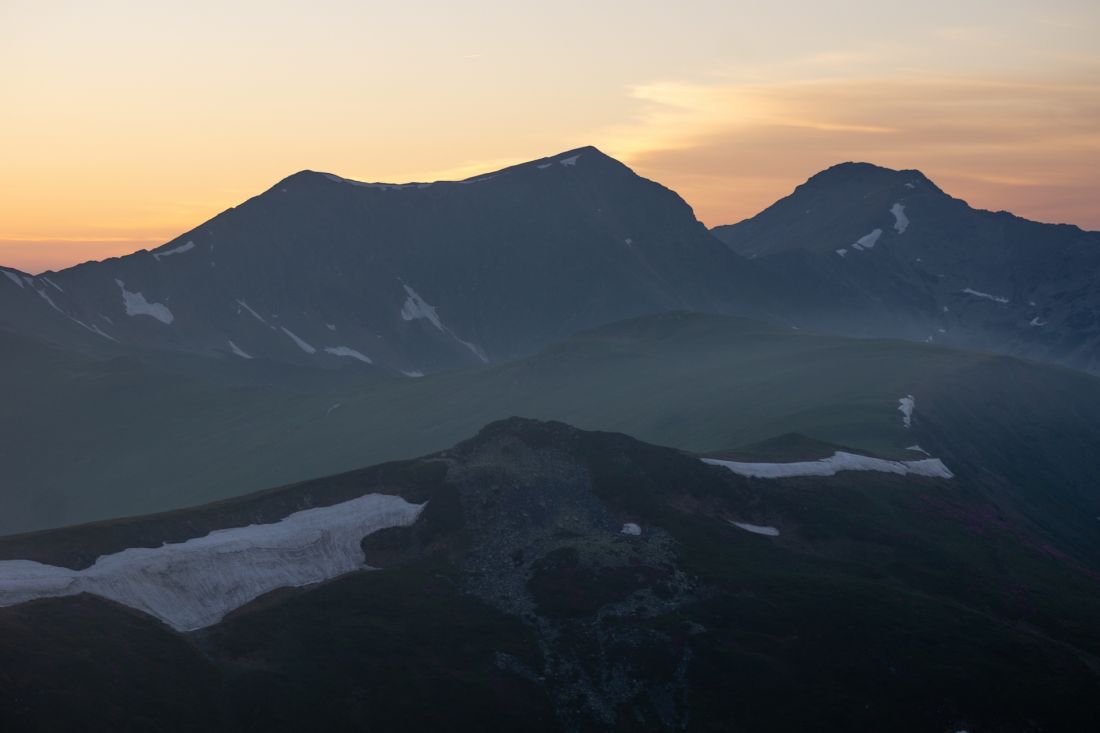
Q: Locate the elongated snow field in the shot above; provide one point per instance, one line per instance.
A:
(834, 464)
(193, 584)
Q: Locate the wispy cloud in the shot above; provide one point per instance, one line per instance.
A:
(732, 148)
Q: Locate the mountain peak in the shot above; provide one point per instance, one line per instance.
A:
(866, 175)
(566, 158)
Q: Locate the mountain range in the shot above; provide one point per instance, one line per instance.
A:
(829, 468)
(420, 277)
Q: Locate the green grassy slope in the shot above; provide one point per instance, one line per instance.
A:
(103, 439)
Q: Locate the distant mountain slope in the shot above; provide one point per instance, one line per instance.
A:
(539, 577)
(865, 250)
(128, 436)
(412, 278)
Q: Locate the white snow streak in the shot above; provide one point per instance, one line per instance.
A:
(194, 584)
(842, 252)
(1036, 321)
(901, 221)
(238, 350)
(839, 461)
(345, 351)
(416, 308)
(571, 160)
(867, 241)
(905, 407)
(255, 315)
(301, 344)
(918, 449)
(14, 278)
(174, 251)
(757, 529)
(631, 529)
(414, 373)
(137, 305)
(987, 296)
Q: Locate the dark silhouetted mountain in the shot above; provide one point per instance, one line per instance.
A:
(870, 251)
(320, 270)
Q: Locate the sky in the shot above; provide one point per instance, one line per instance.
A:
(125, 123)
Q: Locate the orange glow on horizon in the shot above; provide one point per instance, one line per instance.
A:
(126, 124)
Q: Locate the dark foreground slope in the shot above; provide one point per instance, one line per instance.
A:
(865, 250)
(516, 601)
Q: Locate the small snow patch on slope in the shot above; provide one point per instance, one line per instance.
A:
(301, 344)
(416, 308)
(413, 373)
(1036, 321)
(757, 529)
(867, 241)
(137, 305)
(255, 315)
(631, 529)
(349, 352)
(13, 277)
(917, 449)
(174, 251)
(194, 584)
(987, 296)
(839, 461)
(905, 407)
(238, 350)
(571, 160)
(901, 221)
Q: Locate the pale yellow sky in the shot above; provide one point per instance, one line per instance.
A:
(124, 123)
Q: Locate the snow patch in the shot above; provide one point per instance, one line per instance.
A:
(839, 461)
(905, 407)
(55, 285)
(631, 529)
(13, 277)
(987, 296)
(1036, 321)
(918, 449)
(571, 160)
(349, 352)
(301, 344)
(842, 252)
(901, 221)
(414, 373)
(174, 251)
(238, 350)
(416, 308)
(867, 241)
(757, 529)
(544, 166)
(194, 584)
(330, 326)
(137, 305)
(255, 315)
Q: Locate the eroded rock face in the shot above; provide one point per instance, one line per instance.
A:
(535, 541)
